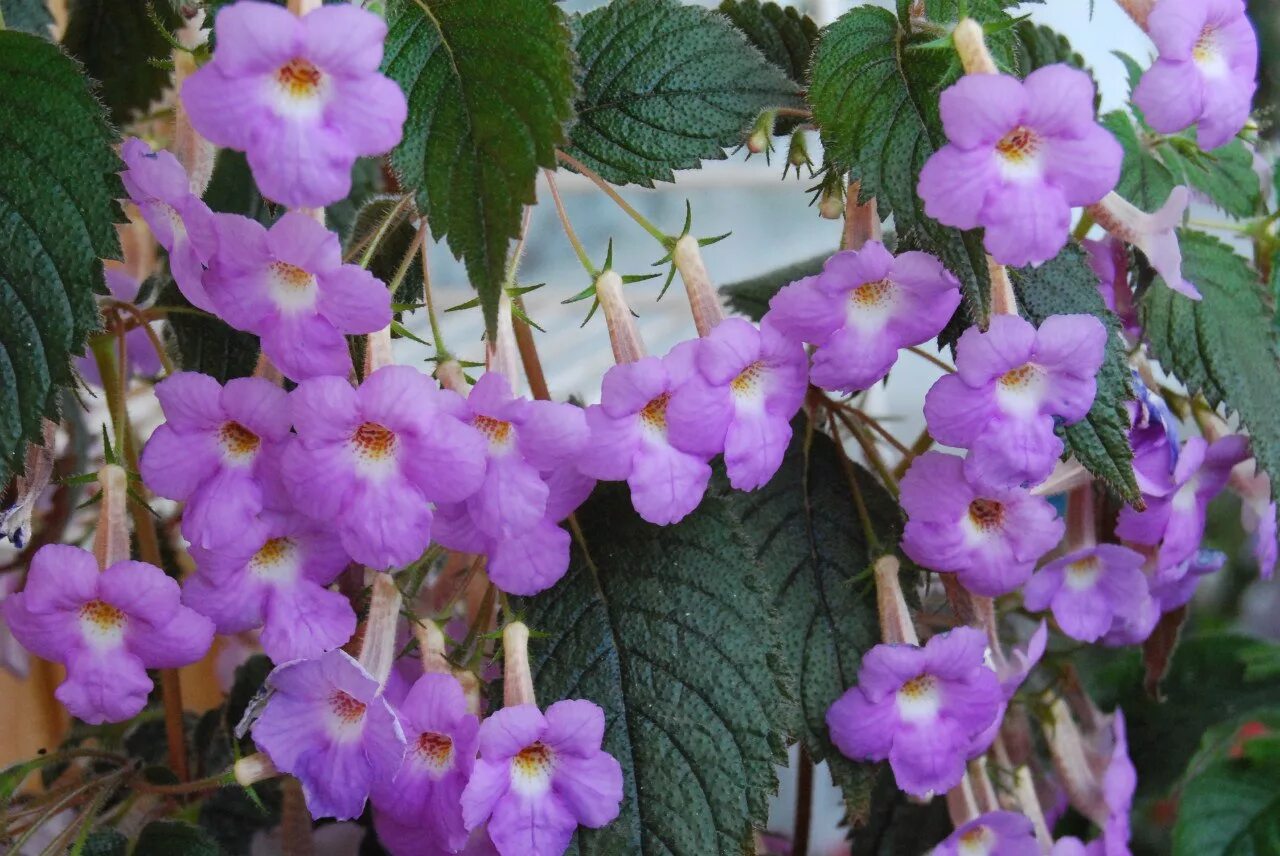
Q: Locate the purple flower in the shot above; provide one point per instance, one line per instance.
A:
(1012, 383)
(426, 792)
(630, 437)
(302, 97)
(180, 221)
(1153, 434)
(991, 538)
(862, 309)
(1109, 260)
(141, 354)
(539, 777)
(1174, 585)
(401, 839)
(276, 579)
(997, 833)
(1118, 785)
(215, 451)
(747, 385)
(1258, 517)
(1175, 520)
(288, 285)
(1088, 589)
(920, 708)
(1019, 665)
(326, 724)
(1021, 155)
(1207, 71)
(107, 628)
(13, 657)
(368, 461)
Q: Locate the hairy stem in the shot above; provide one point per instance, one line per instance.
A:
(583, 169)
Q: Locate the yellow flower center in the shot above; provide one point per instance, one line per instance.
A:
(347, 709)
(291, 276)
(238, 441)
(299, 78)
(373, 442)
(1019, 377)
(871, 294)
(918, 687)
(986, 514)
(497, 431)
(103, 616)
(436, 750)
(747, 379)
(1019, 145)
(654, 414)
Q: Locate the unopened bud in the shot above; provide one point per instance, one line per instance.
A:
(831, 205)
(798, 150)
(761, 139)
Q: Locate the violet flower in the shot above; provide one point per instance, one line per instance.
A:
(862, 309)
(13, 657)
(180, 221)
(141, 354)
(747, 386)
(1109, 260)
(107, 628)
(1207, 71)
(276, 579)
(326, 724)
(540, 777)
(630, 437)
(996, 833)
(1021, 155)
(426, 792)
(215, 451)
(1174, 585)
(288, 286)
(1012, 385)
(1088, 589)
(920, 708)
(302, 97)
(369, 460)
(990, 538)
(1176, 519)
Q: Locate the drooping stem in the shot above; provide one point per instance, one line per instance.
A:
(804, 804)
(583, 258)
(1003, 300)
(971, 44)
(194, 152)
(378, 650)
(984, 610)
(111, 537)
(517, 680)
(983, 792)
(583, 169)
(895, 619)
(1082, 526)
(431, 647)
(703, 300)
(501, 352)
(861, 222)
(623, 333)
(529, 358)
(296, 836)
(437, 338)
(962, 805)
(1138, 10)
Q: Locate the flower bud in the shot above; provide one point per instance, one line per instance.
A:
(761, 139)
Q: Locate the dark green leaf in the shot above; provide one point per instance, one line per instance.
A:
(784, 35)
(810, 542)
(1225, 739)
(1038, 46)
(118, 43)
(393, 246)
(1144, 179)
(58, 211)
(490, 88)
(29, 16)
(665, 87)
(1231, 809)
(751, 297)
(669, 630)
(878, 112)
(1066, 285)
(1224, 345)
(232, 190)
(896, 824)
(367, 181)
(232, 817)
(203, 343)
(174, 838)
(105, 842)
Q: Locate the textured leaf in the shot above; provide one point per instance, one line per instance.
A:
(29, 16)
(57, 223)
(1224, 345)
(1231, 809)
(232, 190)
(392, 247)
(1154, 164)
(668, 629)
(105, 842)
(751, 297)
(203, 343)
(490, 88)
(174, 838)
(1066, 285)
(784, 35)
(810, 542)
(1038, 46)
(665, 87)
(896, 824)
(878, 113)
(117, 42)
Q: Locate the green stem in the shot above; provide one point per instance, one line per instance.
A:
(383, 228)
(923, 443)
(583, 258)
(437, 338)
(1083, 227)
(579, 166)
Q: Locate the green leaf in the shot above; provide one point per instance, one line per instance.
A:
(393, 246)
(367, 181)
(204, 343)
(232, 190)
(1038, 46)
(119, 43)
(29, 16)
(174, 838)
(784, 35)
(58, 210)
(1231, 809)
(1066, 285)
(1224, 345)
(1154, 164)
(878, 113)
(105, 842)
(665, 87)
(669, 630)
(811, 544)
(490, 88)
(751, 297)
